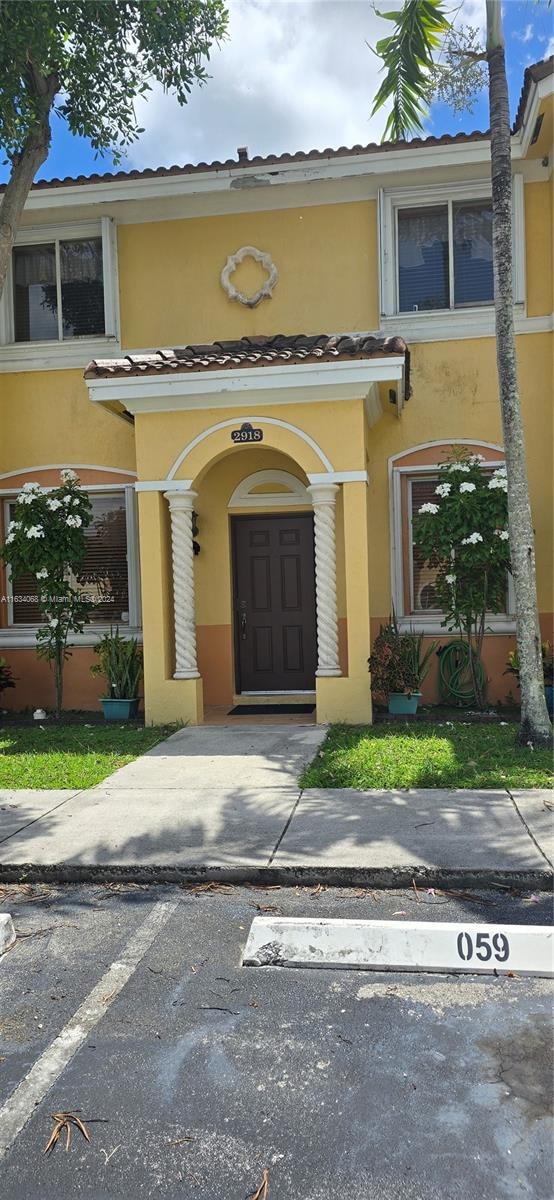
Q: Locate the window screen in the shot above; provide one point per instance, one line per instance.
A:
(35, 294)
(473, 274)
(423, 259)
(82, 287)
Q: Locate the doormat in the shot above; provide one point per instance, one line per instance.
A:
(269, 710)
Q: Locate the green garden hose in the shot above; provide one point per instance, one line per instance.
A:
(455, 679)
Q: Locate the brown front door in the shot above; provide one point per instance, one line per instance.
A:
(275, 630)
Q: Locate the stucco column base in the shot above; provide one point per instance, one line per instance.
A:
(345, 700)
(179, 701)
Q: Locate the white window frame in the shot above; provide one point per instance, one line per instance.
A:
(40, 355)
(18, 636)
(429, 622)
(469, 318)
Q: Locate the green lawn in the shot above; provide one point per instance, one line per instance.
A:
(70, 756)
(441, 755)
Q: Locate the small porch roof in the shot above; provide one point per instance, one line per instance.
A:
(316, 363)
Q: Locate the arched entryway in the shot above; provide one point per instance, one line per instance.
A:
(255, 578)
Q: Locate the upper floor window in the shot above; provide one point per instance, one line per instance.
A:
(444, 255)
(436, 253)
(58, 290)
(61, 288)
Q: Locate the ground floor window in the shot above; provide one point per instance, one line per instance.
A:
(108, 572)
(412, 484)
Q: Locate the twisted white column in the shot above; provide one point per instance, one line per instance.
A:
(181, 505)
(323, 498)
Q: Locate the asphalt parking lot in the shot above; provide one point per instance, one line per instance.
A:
(198, 1078)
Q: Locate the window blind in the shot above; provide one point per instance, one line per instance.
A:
(423, 576)
(103, 575)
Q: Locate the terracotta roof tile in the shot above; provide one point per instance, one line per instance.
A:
(269, 160)
(248, 351)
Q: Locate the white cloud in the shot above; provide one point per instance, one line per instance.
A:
(526, 35)
(294, 75)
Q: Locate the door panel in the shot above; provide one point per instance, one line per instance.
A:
(275, 602)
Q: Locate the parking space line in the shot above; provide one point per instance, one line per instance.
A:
(19, 1107)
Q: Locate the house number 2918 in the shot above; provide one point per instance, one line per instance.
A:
(247, 434)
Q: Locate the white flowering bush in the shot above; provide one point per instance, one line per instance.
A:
(465, 535)
(47, 540)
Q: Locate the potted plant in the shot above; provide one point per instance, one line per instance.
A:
(121, 665)
(398, 666)
(512, 668)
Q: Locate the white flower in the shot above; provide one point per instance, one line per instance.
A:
(75, 522)
(502, 534)
(472, 539)
(459, 466)
(42, 574)
(429, 508)
(76, 501)
(68, 475)
(467, 487)
(53, 504)
(10, 538)
(499, 480)
(26, 497)
(67, 499)
(35, 531)
(450, 579)
(475, 459)
(31, 487)
(443, 489)
(53, 622)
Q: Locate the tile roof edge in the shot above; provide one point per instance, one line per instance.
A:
(270, 160)
(532, 74)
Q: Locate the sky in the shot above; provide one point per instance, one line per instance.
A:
(295, 75)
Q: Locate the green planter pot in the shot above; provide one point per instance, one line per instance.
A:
(401, 704)
(119, 710)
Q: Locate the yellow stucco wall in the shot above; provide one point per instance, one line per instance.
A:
(327, 261)
(455, 395)
(538, 248)
(47, 417)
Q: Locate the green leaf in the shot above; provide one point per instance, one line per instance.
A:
(407, 56)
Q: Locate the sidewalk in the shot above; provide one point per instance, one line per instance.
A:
(214, 802)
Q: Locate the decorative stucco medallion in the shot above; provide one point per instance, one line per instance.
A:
(232, 263)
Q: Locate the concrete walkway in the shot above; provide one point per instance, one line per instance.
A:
(218, 800)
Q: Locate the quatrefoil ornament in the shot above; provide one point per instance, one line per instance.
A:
(266, 290)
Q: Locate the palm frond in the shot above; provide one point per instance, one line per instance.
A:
(407, 56)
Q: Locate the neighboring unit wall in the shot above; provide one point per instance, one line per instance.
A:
(455, 396)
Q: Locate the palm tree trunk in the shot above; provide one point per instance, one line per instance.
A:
(535, 723)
